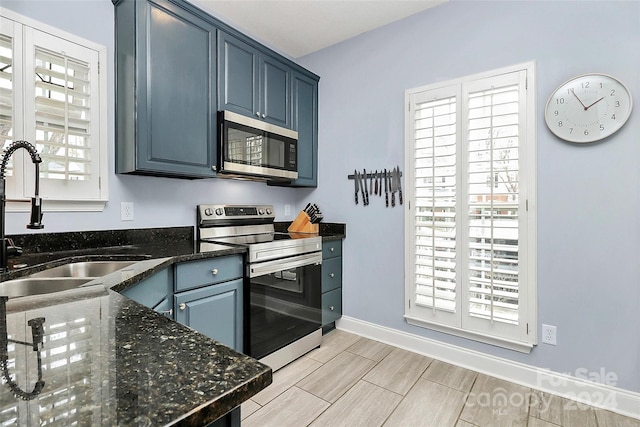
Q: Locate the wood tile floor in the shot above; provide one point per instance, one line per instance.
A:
(354, 381)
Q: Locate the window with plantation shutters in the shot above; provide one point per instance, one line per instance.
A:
(470, 220)
(53, 95)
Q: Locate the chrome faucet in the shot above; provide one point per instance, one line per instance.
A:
(36, 201)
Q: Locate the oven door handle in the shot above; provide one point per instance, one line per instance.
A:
(268, 267)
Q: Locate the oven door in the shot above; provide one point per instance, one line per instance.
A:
(284, 302)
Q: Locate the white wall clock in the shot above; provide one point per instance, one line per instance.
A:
(588, 108)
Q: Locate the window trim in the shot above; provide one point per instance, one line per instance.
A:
(55, 203)
(528, 190)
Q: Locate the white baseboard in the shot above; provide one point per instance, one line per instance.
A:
(592, 393)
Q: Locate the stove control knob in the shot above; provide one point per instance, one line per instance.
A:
(269, 211)
(218, 211)
(208, 212)
(260, 211)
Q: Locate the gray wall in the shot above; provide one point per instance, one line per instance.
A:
(158, 202)
(588, 197)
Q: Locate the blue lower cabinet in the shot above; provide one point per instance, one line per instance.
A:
(215, 311)
(153, 290)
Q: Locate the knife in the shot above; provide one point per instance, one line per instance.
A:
(364, 199)
(386, 188)
(355, 179)
(366, 192)
(375, 178)
(371, 183)
(399, 184)
(392, 187)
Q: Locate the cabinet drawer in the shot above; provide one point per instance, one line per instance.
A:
(193, 274)
(331, 249)
(331, 274)
(331, 306)
(152, 290)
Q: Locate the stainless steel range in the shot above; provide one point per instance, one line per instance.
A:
(283, 303)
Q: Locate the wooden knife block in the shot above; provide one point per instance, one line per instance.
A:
(303, 224)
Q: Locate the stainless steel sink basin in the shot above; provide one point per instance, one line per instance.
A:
(37, 286)
(85, 269)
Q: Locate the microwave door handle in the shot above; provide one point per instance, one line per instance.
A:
(268, 267)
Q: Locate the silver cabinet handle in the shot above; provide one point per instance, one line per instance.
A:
(332, 275)
(331, 307)
(258, 113)
(166, 313)
(264, 115)
(332, 249)
(214, 271)
(182, 306)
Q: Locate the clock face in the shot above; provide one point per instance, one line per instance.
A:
(588, 108)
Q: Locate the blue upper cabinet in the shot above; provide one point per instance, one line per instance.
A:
(305, 122)
(176, 66)
(253, 83)
(165, 90)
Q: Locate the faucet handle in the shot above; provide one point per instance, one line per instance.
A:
(36, 214)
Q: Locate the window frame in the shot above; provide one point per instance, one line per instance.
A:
(20, 189)
(523, 337)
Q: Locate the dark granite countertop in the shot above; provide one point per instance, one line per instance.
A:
(119, 362)
(107, 360)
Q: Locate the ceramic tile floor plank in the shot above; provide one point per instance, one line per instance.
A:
(537, 422)
(335, 377)
(461, 423)
(364, 405)
(428, 404)
(293, 408)
(493, 403)
(398, 371)
(450, 375)
(374, 350)
(611, 419)
(561, 411)
(333, 343)
(248, 407)
(285, 378)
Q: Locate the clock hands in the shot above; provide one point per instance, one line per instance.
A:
(579, 100)
(594, 103)
(586, 107)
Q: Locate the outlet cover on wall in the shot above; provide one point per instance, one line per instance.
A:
(126, 211)
(549, 334)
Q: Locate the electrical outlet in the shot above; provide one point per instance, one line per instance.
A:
(287, 210)
(549, 334)
(126, 211)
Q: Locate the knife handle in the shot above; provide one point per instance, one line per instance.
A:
(356, 197)
(393, 198)
(386, 196)
(400, 195)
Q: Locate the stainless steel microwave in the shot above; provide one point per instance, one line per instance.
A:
(253, 149)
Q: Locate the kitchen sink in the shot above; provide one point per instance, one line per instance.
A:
(61, 278)
(37, 286)
(87, 269)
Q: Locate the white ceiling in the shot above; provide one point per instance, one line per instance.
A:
(299, 27)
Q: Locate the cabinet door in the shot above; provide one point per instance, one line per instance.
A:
(238, 76)
(177, 99)
(305, 122)
(275, 99)
(151, 291)
(215, 311)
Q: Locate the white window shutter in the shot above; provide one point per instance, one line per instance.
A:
(470, 161)
(59, 104)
